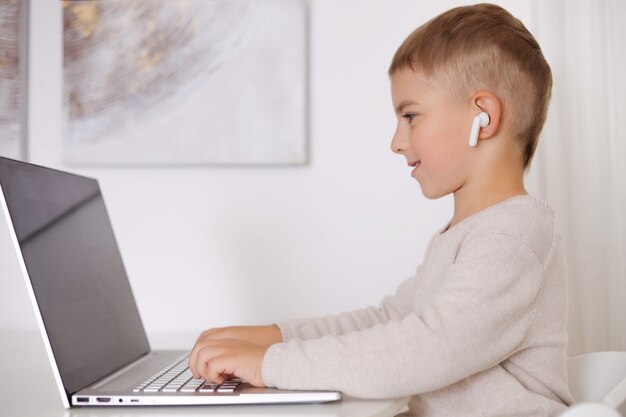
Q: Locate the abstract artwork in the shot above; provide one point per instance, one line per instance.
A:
(12, 40)
(185, 82)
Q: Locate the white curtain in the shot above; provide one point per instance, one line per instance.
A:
(580, 166)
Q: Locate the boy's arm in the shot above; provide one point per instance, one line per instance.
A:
(240, 341)
(393, 307)
(239, 351)
(479, 317)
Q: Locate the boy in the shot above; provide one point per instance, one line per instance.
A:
(480, 329)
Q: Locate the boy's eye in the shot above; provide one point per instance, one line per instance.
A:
(409, 117)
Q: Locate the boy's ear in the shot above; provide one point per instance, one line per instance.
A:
(489, 103)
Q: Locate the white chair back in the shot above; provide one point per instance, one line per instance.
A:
(597, 382)
(593, 375)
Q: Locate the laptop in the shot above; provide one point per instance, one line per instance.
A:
(87, 315)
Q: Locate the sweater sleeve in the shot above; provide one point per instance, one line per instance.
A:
(479, 316)
(393, 307)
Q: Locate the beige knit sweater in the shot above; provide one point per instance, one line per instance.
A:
(479, 330)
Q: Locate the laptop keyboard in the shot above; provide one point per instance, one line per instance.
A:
(178, 378)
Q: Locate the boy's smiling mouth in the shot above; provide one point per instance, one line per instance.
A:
(415, 165)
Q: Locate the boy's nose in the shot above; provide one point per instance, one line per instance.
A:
(396, 145)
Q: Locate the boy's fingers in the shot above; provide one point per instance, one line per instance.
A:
(193, 357)
(215, 369)
(205, 336)
(194, 364)
(209, 362)
(216, 359)
(214, 374)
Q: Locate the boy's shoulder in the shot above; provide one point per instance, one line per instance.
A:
(526, 219)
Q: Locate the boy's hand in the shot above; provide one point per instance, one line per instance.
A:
(222, 352)
(216, 360)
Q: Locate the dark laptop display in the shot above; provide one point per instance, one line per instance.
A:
(75, 269)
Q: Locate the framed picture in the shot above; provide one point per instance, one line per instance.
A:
(190, 82)
(13, 54)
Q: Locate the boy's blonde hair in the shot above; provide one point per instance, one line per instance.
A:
(485, 47)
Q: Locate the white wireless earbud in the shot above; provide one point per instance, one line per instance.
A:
(481, 120)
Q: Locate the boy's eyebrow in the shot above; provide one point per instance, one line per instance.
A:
(403, 104)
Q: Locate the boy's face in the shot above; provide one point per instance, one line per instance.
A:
(432, 133)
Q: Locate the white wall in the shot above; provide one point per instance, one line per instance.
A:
(209, 247)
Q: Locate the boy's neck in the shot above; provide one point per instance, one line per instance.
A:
(480, 194)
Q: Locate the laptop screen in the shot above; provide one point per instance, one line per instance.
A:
(76, 271)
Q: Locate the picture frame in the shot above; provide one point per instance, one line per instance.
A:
(183, 83)
(13, 78)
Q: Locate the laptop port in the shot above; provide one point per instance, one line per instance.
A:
(103, 399)
(82, 399)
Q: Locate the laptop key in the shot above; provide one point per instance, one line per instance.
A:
(229, 386)
(192, 385)
(208, 387)
(189, 388)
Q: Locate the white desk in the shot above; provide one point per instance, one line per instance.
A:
(27, 388)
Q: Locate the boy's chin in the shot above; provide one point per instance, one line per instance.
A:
(433, 194)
